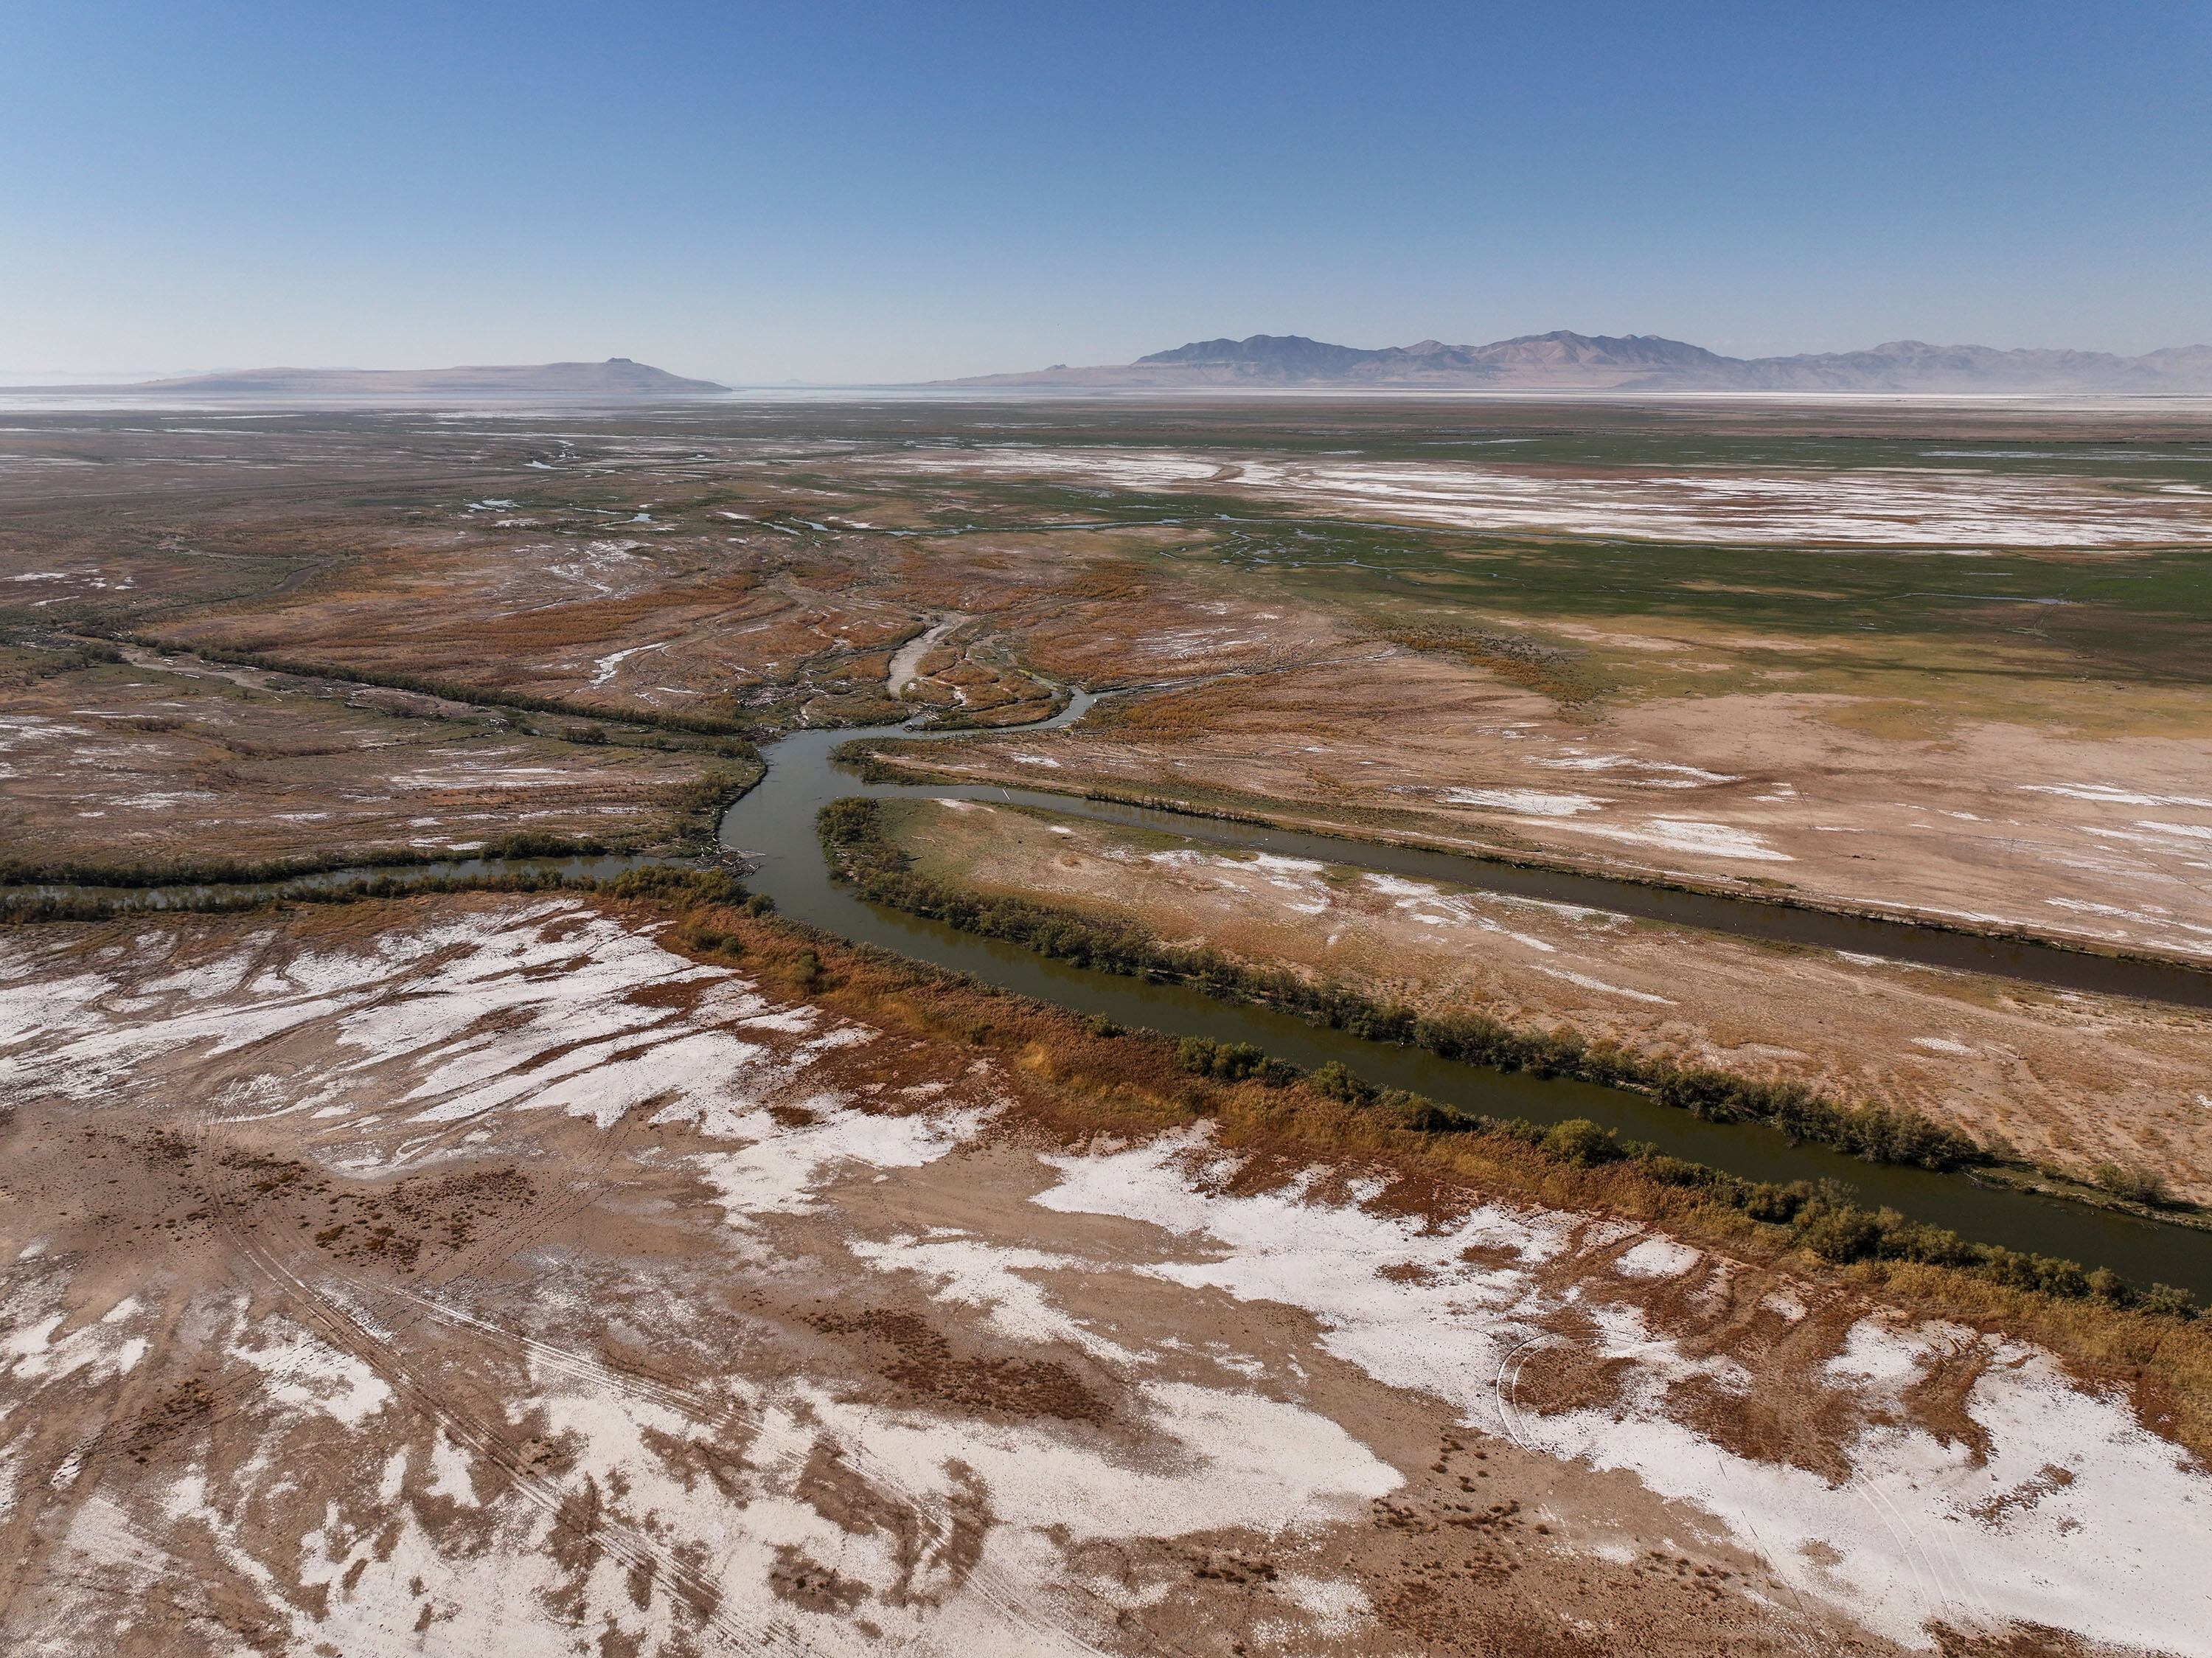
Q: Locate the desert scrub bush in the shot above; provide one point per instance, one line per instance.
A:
(1582, 1142)
(1825, 1222)
(712, 941)
(852, 835)
(50, 655)
(1819, 1217)
(858, 756)
(217, 901)
(851, 829)
(675, 887)
(1840, 1234)
(1233, 1061)
(696, 808)
(1338, 1083)
(2134, 1186)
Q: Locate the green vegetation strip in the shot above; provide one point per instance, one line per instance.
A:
(852, 834)
(695, 808)
(906, 761)
(214, 900)
(1818, 1216)
(222, 872)
(456, 690)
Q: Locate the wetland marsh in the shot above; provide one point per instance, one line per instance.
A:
(634, 1266)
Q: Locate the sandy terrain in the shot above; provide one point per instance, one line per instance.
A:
(477, 1275)
(2064, 1079)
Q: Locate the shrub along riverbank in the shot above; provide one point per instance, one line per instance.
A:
(694, 813)
(852, 835)
(454, 690)
(1821, 1217)
(1592, 1163)
(216, 872)
(1088, 1076)
(218, 901)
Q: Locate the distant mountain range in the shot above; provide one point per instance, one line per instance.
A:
(1566, 362)
(617, 379)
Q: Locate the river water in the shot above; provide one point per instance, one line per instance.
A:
(775, 825)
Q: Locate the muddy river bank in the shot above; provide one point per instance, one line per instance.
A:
(774, 826)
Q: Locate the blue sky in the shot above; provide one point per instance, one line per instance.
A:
(843, 192)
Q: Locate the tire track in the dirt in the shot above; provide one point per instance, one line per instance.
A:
(625, 1544)
(1506, 1383)
(1932, 1555)
(707, 1410)
(631, 1547)
(712, 1411)
(353, 1333)
(216, 1192)
(695, 1406)
(1504, 1386)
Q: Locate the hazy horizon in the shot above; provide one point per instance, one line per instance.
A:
(20, 377)
(864, 194)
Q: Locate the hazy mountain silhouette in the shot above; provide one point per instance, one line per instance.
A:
(616, 378)
(1565, 360)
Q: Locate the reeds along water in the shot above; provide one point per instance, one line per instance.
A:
(777, 822)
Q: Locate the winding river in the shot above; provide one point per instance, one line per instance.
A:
(774, 825)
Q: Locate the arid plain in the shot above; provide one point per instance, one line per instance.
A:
(630, 1269)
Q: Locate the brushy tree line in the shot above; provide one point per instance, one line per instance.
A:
(695, 812)
(852, 832)
(698, 805)
(458, 691)
(676, 886)
(217, 872)
(104, 906)
(1820, 1216)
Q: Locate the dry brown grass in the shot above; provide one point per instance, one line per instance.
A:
(2066, 1082)
(1568, 677)
(586, 623)
(1081, 1083)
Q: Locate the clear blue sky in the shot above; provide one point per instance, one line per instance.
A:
(832, 191)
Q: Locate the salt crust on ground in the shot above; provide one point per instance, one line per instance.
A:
(1896, 508)
(1913, 1535)
(1223, 1459)
(1301, 880)
(1916, 1532)
(525, 1011)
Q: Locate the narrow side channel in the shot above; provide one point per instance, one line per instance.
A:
(775, 825)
